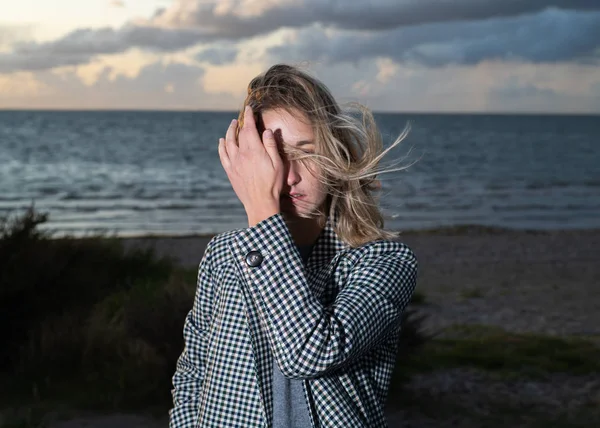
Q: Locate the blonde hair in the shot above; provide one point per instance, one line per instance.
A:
(348, 149)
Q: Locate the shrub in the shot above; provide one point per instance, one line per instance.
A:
(82, 315)
(48, 288)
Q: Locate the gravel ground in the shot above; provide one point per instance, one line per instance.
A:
(472, 398)
(546, 282)
(523, 282)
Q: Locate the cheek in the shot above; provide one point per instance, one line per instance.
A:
(312, 174)
(319, 189)
(311, 169)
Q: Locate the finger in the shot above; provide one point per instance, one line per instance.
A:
(271, 147)
(231, 143)
(250, 139)
(249, 118)
(223, 155)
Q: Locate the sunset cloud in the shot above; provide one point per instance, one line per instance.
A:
(374, 50)
(431, 32)
(157, 85)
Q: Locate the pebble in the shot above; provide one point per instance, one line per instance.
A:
(479, 393)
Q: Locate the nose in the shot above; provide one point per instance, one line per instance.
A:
(292, 173)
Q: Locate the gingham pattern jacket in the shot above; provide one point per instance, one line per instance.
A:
(333, 323)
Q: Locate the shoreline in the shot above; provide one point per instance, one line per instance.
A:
(440, 246)
(524, 282)
(456, 230)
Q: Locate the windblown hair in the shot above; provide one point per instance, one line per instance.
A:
(348, 149)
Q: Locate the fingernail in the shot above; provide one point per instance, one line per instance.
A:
(233, 121)
(268, 133)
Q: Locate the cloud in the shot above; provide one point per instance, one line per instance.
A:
(247, 18)
(455, 26)
(218, 55)
(486, 87)
(10, 62)
(567, 36)
(515, 88)
(381, 84)
(81, 45)
(158, 85)
(13, 33)
(107, 41)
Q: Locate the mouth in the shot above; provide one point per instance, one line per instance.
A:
(294, 196)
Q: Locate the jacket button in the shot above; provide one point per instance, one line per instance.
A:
(254, 258)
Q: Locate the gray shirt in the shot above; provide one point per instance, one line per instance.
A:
(290, 409)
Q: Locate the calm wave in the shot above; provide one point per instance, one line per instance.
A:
(135, 173)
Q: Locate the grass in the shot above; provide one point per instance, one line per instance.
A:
(418, 298)
(503, 355)
(85, 323)
(471, 293)
(492, 349)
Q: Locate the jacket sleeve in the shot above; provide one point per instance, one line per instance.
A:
(189, 371)
(307, 338)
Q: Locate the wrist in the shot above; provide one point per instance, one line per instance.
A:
(259, 214)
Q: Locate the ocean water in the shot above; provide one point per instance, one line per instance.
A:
(136, 173)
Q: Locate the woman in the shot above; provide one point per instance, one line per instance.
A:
(296, 318)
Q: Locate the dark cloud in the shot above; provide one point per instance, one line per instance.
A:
(16, 62)
(109, 41)
(396, 28)
(81, 45)
(393, 13)
(550, 36)
(352, 14)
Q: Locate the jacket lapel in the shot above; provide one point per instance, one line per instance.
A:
(319, 275)
(263, 359)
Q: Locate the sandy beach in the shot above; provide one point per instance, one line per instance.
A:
(547, 282)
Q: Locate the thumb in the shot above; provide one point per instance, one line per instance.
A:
(271, 147)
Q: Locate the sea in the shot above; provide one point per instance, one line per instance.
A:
(137, 173)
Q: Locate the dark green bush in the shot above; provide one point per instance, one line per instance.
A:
(48, 286)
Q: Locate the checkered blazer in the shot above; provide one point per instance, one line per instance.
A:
(333, 323)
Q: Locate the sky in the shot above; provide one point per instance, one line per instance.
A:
(511, 56)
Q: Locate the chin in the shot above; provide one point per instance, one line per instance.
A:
(306, 210)
(308, 215)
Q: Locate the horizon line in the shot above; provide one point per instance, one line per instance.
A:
(375, 111)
